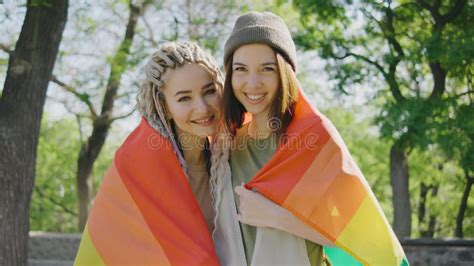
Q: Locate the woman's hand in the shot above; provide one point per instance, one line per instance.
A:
(256, 210)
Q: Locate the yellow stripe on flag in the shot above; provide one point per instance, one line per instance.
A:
(87, 254)
(368, 224)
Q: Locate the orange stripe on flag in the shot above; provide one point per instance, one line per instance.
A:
(328, 186)
(117, 228)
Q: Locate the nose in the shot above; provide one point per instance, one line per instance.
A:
(254, 81)
(202, 106)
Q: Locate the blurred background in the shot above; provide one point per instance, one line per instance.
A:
(395, 77)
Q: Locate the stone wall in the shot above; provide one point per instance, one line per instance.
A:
(439, 252)
(52, 248)
(59, 250)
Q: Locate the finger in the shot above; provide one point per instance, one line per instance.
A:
(259, 196)
(240, 209)
(248, 196)
(245, 191)
(240, 190)
(247, 221)
(242, 219)
(242, 204)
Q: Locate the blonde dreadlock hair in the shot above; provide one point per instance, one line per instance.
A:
(220, 167)
(150, 99)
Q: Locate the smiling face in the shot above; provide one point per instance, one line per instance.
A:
(255, 78)
(192, 99)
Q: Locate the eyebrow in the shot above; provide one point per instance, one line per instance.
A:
(182, 92)
(264, 64)
(189, 91)
(207, 85)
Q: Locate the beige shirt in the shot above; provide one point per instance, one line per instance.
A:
(199, 181)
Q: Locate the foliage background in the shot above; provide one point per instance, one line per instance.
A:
(349, 93)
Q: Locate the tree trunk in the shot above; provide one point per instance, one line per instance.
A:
(426, 230)
(91, 148)
(463, 206)
(87, 156)
(21, 107)
(439, 80)
(422, 208)
(400, 191)
(432, 221)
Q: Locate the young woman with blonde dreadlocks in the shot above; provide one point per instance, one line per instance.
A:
(154, 205)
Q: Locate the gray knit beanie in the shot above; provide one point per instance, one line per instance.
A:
(266, 28)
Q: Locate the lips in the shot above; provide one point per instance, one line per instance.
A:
(206, 121)
(255, 98)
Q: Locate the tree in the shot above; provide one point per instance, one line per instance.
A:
(396, 41)
(21, 106)
(449, 55)
(206, 22)
(54, 200)
(456, 138)
(101, 122)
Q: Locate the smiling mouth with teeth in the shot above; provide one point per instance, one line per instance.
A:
(205, 121)
(254, 97)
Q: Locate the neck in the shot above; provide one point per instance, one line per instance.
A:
(192, 147)
(258, 127)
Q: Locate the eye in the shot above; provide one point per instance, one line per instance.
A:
(268, 69)
(210, 91)
(240, 69)
(184, 99)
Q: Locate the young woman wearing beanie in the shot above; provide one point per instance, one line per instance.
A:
(154, 205)
(300, 180)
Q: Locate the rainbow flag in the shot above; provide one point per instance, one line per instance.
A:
(145, 212)
(313, 175)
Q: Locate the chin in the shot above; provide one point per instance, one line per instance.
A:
(205, 132)
(255, 111)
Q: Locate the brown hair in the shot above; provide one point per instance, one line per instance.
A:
(233, 113)
(282, 109)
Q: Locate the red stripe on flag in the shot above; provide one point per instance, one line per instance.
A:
(153, 176)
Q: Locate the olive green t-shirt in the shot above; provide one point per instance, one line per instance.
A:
(247, 157)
